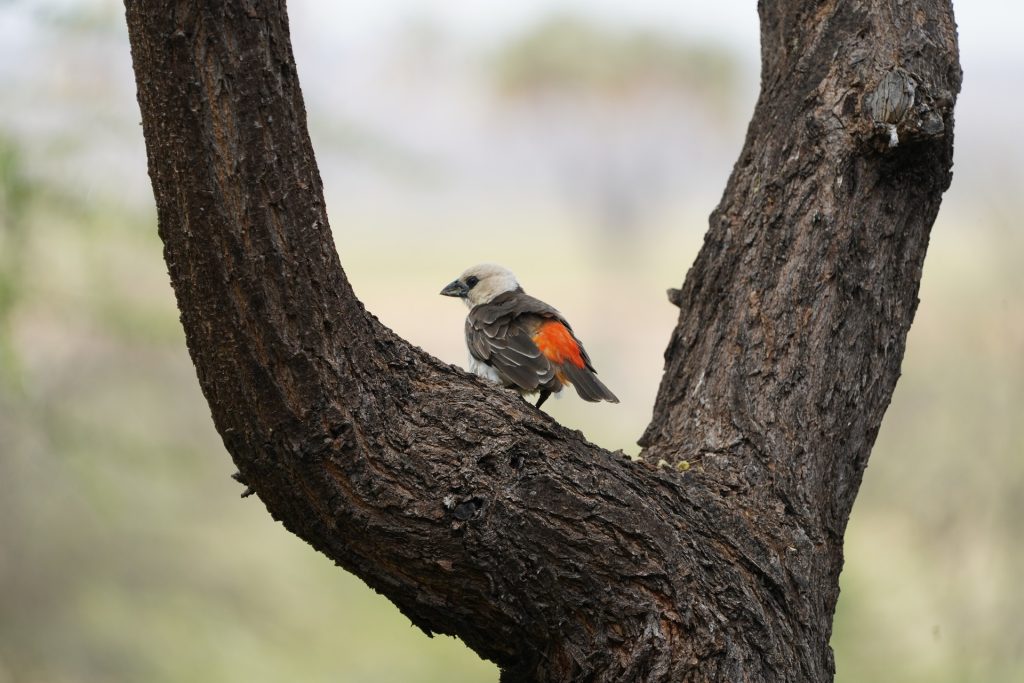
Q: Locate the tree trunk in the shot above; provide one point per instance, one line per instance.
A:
(478, 515)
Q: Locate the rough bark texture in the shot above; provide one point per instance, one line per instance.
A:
(478, 515)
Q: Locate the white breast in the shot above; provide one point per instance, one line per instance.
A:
(482, 369)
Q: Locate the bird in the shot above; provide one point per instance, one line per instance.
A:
(519, 341)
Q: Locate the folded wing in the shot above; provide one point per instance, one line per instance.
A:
(531, 347)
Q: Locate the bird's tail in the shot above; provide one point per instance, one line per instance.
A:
(588, 386)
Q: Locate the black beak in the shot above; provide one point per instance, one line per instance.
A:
(455, 288)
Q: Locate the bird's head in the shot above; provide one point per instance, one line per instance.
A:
(480, 284)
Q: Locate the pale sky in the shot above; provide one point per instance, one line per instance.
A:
(989, 29)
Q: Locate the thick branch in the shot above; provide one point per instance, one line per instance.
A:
(478, 515)
(794, 317)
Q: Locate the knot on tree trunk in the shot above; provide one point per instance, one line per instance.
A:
(903, 109)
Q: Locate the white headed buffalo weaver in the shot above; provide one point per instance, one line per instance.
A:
(519, 341)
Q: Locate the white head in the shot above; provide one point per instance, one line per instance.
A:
(481, 283)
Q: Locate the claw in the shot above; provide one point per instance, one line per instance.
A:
(544, 393)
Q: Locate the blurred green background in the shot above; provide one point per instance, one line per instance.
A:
(601, 134)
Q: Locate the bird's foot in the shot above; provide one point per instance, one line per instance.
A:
(544, 393)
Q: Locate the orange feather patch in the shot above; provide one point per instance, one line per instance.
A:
(557, 344)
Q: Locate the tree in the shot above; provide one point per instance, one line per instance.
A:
(715, 558)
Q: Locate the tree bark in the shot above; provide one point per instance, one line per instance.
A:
(717, 556)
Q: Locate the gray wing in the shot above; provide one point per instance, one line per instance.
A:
(500, 334)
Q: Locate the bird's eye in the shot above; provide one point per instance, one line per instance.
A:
(471, 281)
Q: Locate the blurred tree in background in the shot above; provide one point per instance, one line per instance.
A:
(614, 109)
(15, 193)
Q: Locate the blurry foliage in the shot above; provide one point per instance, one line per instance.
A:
(568, 54)
(613, 109)
(15, 193)
(90, 17)
(368, 146)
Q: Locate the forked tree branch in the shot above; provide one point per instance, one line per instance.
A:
(478, 515)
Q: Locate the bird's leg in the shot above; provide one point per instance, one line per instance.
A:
(544, 393)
